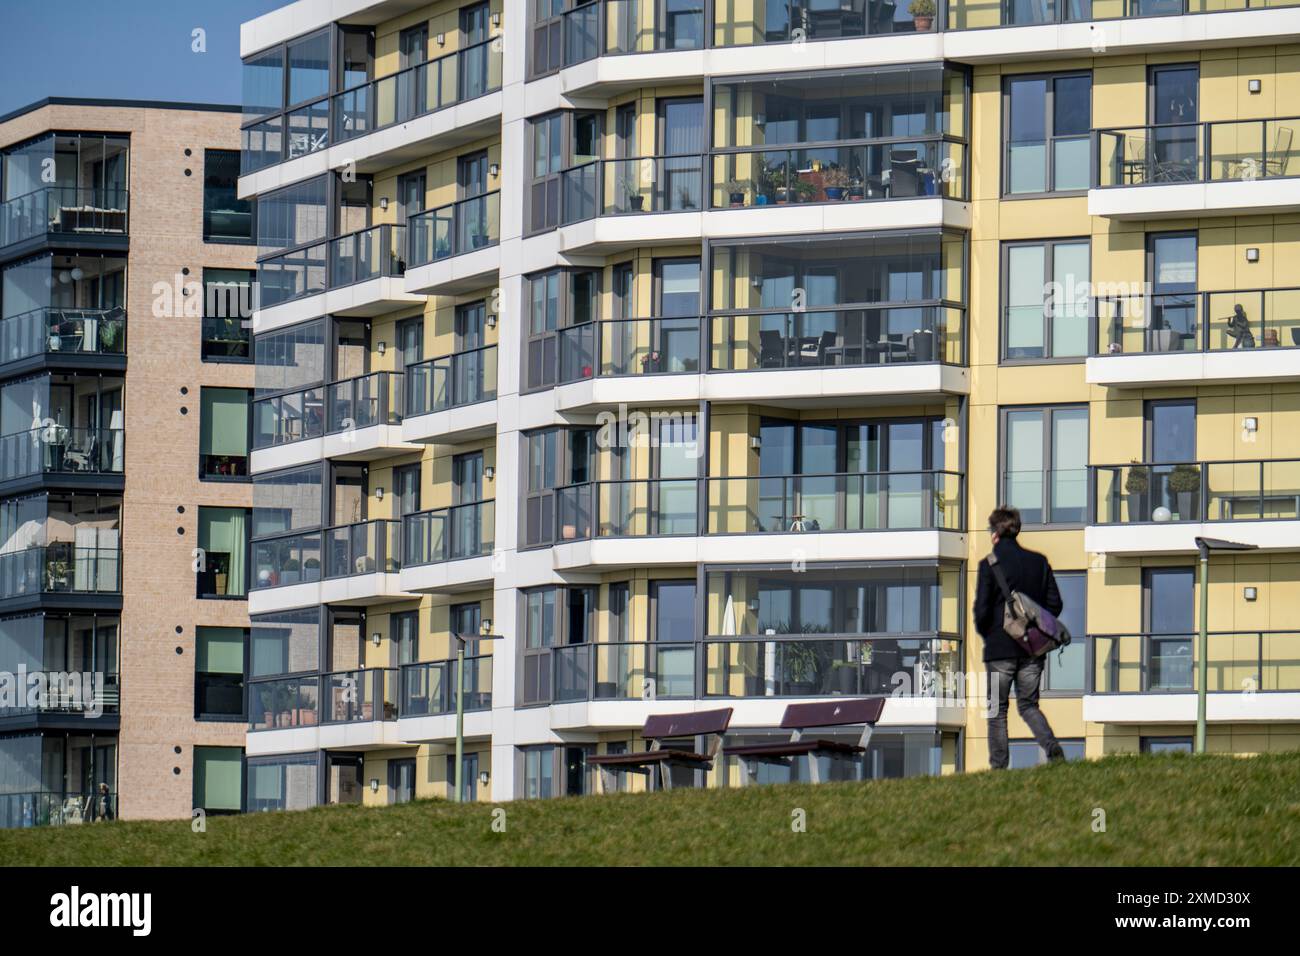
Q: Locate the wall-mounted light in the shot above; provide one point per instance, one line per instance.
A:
(442, 39)
(77, 274)
(382, 347)
(1254, 85)
(489, 473)
(753, 605)
(1250, 594)
(1250, 423)
(1252, 254)
(375, 638)
(496, 19)
(491, 321)
(494, 169)
(483, 778)
(756, 282)
(383, 203)
(755, 441)
(374, 784)
(485, 626)
(760, 119)
(379, 494)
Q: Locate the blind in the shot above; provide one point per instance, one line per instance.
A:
(218, 778)
(220, 650)
(223, 429)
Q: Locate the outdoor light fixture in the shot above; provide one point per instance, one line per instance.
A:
(756, 282)
(755, 441)
(1254, 86)
(375, 638)
(374, 784)
(1252, 254)
(1250, 594)
(494, 169)
(485, 627)
(383, 203)
(379, 493)
(483, 778)
(496, 19)
(383, 346)
(77, 274)
(489, 472)
(1250, 424)
(491, 321)
(442, 39)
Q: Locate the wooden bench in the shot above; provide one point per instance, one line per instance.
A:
(801, 717)
(707, 723)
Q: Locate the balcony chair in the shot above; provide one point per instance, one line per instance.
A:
(709, 723)
(80, 456)
(1276, 160)
(801, 717)
(771, 349)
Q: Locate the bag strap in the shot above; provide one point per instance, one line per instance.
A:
(1002, 578)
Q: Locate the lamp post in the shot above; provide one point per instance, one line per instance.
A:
(1205, 546)
(485, 634)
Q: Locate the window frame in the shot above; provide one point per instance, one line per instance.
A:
(251, 239)
(201, 715)
(1049, 303)
(1047, 412)
(1004, 131)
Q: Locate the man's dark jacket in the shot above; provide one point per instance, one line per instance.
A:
(1027, 572)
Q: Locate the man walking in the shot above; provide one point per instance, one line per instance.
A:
(1029, 573)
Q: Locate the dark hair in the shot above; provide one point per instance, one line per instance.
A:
(1005, 521)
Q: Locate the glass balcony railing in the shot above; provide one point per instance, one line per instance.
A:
(886, 335)
(429, 689)
(618, 347)
(364, 401)
(1198, 321)
(976, 14)
(82, 691)
(628, 670)
(64, 210)
(455, 229)
(748, 25)
(619, 187)
(1225, 151)
(453, 78)
(54, 808)
(60, 450)
(612, 27)
(1196, 491)
(825, 667)
(372, 253)
(876, 501)
(462, 378)
(367, 547)
(628, 508)
(359, 696)
(284, 703)
(61, 568)
(291, 417)
(839, 172)
(287, 559)
(1237, 662)
(50, 331)
(448, 534)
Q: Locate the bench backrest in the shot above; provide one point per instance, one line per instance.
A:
(832, 713)
(687, 725)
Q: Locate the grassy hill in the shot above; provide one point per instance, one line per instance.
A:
(1166, 810)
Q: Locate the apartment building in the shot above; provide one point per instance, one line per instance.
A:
(125, 392)
(668, 356)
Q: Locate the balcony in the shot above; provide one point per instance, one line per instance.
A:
(90, 214)
(341, 709)
(346, 564)
(1197, 338)
(449, 549)
(635, 522)
(1227, 168)
(1161, 508)
(81, 693)
(54, 808)
(428, 703)
(1252, 676)
(359, 274)
(452, 398)
(428, 108)
(355, 419)
(60, 573)
(592, 41)
(73, 455)
(70, 338)
(454, 248)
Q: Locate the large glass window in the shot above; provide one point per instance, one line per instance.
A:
(223, 539)
(290, 358)
(282, 783)
(1065, 668)
(219, 673)
(223, 433)
(219, 779)
(1046, 130)
(227, 314)
(293, 216)
(226, 217)
(285, 643)
(1045, 464)
(1046, 299)
(287, 501)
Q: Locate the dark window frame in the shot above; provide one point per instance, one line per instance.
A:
(1004, 131)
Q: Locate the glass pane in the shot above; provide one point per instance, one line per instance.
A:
(1025, 295)
(1070, 275)
(1024, 466)
(1069, 464)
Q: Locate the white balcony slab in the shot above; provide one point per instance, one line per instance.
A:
(466, 574)
(1227, 367)
(442, 727)
(828, 387)
(1180, 537)
(362, 589)
(287, 455)
(453, 425)
(360, 444)
(668, 550)
(353, 735)
(371, 298)
(604, 234)
(303, 16)
(455, 274)
(1180, 200)
(1220, 708)
(781, 219)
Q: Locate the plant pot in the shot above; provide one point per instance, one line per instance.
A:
(857, 195)
(737, 199)
(923, 24)
(835, 193)
(760, 200)
(1186, 502)
(636, 202)
(1137, 506)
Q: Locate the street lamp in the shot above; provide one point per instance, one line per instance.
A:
(485, 634)
(1205, 546)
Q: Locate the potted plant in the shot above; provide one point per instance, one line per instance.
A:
(835, 181)
(289, 572)
(922, 12)
(312, 568)
(1137, 484)
(631, 186)
(1185, 482)
(736, 189)
(57, 570)
(857, 190)
(800, 660)
(803, 190)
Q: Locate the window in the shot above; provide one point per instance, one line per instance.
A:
(286, 101)
(556, 300)
(226, 217)
(620, 619)
(547, 134)
(406, 484)
(401, 780)
(1169, 600)
(1047, 123)
(673, 620)
(539, 638)
(223, 433)
(1027, 753)
(539, 772)
(547, 31)
(1045, 464)
(223, 564)
(469, 777)
(1045, 299)
(404, 639)
(1064, 673)
(1166, 745)
(227, 314)
(219, 779)
(219, 673)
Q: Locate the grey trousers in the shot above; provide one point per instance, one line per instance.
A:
(1027, 673)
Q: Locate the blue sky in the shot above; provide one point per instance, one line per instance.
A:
(121, 49)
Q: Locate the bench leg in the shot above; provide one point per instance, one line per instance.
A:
(665, 776)
(814, 771)
(608, 780)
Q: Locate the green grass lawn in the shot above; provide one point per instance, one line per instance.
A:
(1166, 810)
